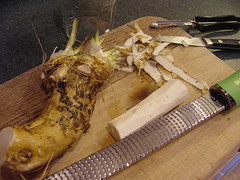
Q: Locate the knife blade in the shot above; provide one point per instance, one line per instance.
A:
(203, 23)
(121, 154)
(233, 44)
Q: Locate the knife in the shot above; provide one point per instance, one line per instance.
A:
(233, 44)
(121, 154)
(203, 23)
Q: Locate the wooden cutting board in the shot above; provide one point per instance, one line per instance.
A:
(196, 155)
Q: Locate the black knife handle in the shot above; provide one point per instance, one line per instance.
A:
(225, 44)
(217, 18)
(214, 26)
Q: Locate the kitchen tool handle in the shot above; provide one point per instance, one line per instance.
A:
(227, 91)
(225, 44)
(217, 18)
(214, 26)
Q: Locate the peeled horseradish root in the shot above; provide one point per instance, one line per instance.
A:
(72, 80)
(161, 101)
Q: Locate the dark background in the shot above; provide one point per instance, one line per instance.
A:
(20, 50)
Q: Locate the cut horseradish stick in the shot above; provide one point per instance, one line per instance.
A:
(155, 105)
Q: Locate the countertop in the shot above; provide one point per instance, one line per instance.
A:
(20, 49)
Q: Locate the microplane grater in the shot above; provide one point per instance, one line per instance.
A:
(121, 154)
(151, 137)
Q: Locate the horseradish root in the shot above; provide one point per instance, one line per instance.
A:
(72, 80)
(155, 105)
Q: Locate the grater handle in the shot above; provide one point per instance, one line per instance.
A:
(227, 91)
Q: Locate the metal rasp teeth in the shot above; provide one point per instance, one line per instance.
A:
(121, 154)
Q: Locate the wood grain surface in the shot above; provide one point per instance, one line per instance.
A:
(196, 155)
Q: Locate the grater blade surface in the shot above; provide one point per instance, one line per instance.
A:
(121, 154)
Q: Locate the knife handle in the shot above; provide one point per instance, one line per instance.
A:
(213, 26)
(224, 44)
(227, 91)
(217, 18)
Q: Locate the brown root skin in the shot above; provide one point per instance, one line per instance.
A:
(66, 115)
(71, 80)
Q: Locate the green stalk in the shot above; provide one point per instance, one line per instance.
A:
(72, 37)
